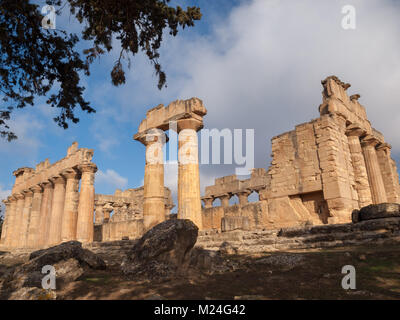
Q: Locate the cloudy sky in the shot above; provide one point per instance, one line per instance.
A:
(256, 64)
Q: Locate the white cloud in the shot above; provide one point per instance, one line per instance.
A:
(261, 68)
(110, 177)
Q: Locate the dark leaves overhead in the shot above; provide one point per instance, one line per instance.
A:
(33, 60)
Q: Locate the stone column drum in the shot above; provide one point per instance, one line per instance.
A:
(10, 221)
(360, 171)
(189, 203)
(57, 210)
(15, 241)
(85, 223)
(374, 174)
(70, 216)
(25, 219)
(34, 224)
(45, 212)
(153, 193)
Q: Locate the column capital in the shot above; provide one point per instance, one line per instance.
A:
(27, 193)
(57, 180)
(6, 201)
(355, 130)
(369, 140)
(151, 136)
(47, 185)
(383, 146)
(243, 192)
(191, 123)
(88, 167)
(70, 173)
(36, 189)
(19, 196)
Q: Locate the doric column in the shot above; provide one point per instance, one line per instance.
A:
(11, 221)
(45, 213)
(57, 210)
(208, 202)
(5, 222)
(243, 197)
(189, 203)
(389, 174)
(354, 132)
(70, 216)
(374, 173)
(15, 242)
(85, 225)
(34, 232)
(25, 218)
(225, 200)
(153, 193)
(99, 214)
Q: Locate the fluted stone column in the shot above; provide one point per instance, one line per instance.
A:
(243, 197)
(25, 219)
(4, 228)
(208, 202)
(374, 173)
(225, 200)
(45, 212)
(360, 170)
(153, 193)
(189, 203)
(57, 210)
(85, 223)
(389, 176)
(70, 216)
(11, 221)
(34, 224)
(15, 242)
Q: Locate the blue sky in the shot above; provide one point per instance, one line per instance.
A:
(256, 64)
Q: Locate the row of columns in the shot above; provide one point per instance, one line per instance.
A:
(370, 184)
(53, 211)
(242, 195)
(189, 203)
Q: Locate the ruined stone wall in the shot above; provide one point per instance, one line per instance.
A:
(319, 173)
(120, 216)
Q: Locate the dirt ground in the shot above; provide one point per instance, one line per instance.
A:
(281, 275)
(294, 275)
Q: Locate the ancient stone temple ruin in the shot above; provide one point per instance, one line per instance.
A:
(120, 216)
(47, 207)
(320, 172)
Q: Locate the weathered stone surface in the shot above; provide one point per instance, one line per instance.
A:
(69, 259)
(378, 211)
(163, 251)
